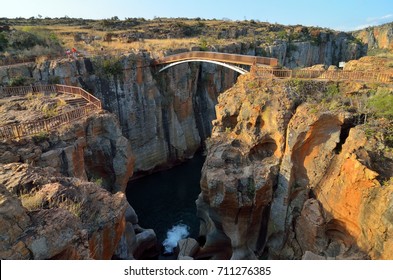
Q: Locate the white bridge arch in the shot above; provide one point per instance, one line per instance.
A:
(233, 67)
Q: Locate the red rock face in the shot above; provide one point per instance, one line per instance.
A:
(377, 37)
(63, 218)
(301, 166)
(239, 174)
(354, 199)
(103, 243)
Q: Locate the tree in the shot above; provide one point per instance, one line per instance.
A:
(3, 41)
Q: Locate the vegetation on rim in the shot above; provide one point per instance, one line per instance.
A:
(173, 33)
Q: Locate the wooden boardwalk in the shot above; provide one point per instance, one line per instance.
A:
(21, 130)
(335, 75)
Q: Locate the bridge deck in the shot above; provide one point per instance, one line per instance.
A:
(221, 57)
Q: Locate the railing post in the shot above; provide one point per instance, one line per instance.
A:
(17, 131)
(46, 125)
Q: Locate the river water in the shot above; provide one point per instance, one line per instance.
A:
(167, 198)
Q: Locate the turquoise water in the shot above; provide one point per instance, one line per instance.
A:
(167, 198)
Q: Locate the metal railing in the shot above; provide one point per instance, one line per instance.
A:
(23, 90)
(25, 129)
(79, 91)
(222, 57)
(363, 76)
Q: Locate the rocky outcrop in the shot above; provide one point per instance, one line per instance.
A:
(377, 37)
(355, 203)
(310, 142)
(328, 49)
(61, 218)
(188, 248)
(374, 64)
(286, 176)
(86, 221)
(241, 169)
(165, 116)
(94, 150)
(47, 216)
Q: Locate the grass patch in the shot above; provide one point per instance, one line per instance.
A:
(98, 181)
(49, 112)
(381, 104)
(32, 201)
(75, 208)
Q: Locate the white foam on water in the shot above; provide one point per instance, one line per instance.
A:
(173, 236)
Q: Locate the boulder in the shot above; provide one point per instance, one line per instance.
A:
(187, 248)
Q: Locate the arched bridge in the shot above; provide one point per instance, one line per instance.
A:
(225, 59)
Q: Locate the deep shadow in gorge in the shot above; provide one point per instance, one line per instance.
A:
(167, 198)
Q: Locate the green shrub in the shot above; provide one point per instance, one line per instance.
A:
(203, 44)
(24, 40)
(332, 90)
(98, 181)
(380, 52)
(3, 41)
(109, 66)
(53, 80)
(40, 137)
(30, 42)
(291, 47)
(381, 104)
(18, 81)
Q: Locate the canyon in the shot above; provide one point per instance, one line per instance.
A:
(288, 174)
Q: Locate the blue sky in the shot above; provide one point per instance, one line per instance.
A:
(335, 14)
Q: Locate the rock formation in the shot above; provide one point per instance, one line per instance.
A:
(327, 49)
(166, 116)
(92, 150)
(272, 157)
(86, 220)
(57, 217)
(377, 37)
(288, 173)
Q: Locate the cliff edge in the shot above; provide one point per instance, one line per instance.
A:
(298, 168)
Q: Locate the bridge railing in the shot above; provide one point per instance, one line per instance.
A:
(25, 129)
(222, 57)
(364, 76)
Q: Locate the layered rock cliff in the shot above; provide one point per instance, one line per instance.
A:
(377, 37)
(45, 216)
(325, 48)
(91, 150)
(52, 212)
(165, 116)
(290, 172)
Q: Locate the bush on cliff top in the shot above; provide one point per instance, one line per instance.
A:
(381, 104)
(108, 66)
